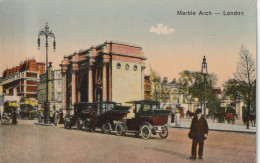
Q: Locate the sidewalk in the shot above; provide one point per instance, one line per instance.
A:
(218, 127)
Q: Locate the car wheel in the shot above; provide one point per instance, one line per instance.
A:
(145, 132)
(164, 133)
(119, 129)
(86, 125)
(66, 124)
(106, 128)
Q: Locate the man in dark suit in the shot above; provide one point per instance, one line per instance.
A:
(198, 133)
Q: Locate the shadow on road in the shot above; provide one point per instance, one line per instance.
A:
(170, 152)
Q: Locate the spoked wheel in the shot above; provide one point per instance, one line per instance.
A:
(79, 124)
(106, 128)
(66, 124)
(119, 130)
(164, 133)
(145, 132)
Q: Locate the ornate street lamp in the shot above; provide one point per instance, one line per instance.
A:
(47, 34)
(204, 72)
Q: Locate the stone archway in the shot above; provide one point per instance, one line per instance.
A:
(83, 87)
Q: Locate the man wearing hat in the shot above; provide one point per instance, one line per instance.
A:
(198, 133)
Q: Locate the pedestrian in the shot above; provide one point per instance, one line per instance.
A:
(61, 117)
(58, 121)
(1, 111)
(177, 118)
(55, 118)
(93, 122)
(172, 115)
(13, 115)
(198, 133)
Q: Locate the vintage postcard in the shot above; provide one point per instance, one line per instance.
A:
(128, 81)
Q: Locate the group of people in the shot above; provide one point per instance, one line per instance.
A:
(9, 118)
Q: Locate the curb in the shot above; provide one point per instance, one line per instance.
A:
(219, 130)
(44, 124)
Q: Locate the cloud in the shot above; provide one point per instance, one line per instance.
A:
(161, 29)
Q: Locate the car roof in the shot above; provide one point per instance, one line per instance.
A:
(144, 102)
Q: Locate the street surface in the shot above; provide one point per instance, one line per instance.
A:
(27, 142)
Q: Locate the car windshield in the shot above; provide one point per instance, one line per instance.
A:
(154, 107)
(110, 106)
(146, 108)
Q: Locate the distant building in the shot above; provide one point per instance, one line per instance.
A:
(22, 80)
(54, 91)
(112, 71)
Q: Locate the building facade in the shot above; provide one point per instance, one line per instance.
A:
(112, 71)
(54, 90)
(22, 80)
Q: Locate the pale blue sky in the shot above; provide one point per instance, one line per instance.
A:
(78, 24)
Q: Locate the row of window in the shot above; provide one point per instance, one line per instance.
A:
(118, 65)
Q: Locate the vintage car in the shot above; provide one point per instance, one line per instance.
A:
(148, 119)
(108, 114)
(81, 116)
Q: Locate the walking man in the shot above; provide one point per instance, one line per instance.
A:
(198, 133)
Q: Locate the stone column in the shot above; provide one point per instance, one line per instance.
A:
(73, 87)
(142, 82)
(90, 85)
(104, 85)
(64, 90)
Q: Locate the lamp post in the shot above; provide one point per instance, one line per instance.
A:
(204, 72)
(47, 34)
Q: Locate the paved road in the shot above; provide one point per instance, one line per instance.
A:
(30, 143)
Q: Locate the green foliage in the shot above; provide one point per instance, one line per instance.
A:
(232, 88)
(193, 83)
(160, 92)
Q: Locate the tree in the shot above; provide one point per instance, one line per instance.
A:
(246, 75)
(164, 93)
(155, 84)
(232, 88)
(160, 91)
(193, 83)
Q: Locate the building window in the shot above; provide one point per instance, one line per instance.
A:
(59, 96)
(127, 66)
(59, 83)
(118, 65)
(135, 67)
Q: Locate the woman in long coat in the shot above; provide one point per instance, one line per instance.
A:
(198, 133)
